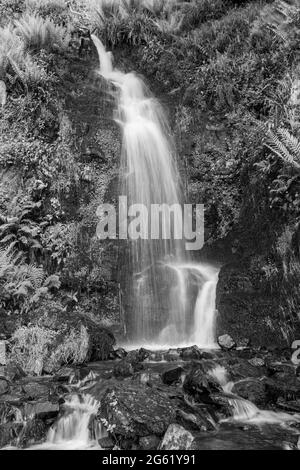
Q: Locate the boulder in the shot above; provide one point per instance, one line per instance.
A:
(34, 432)
(172, 375)
(65, 374)
(176, 438)
(106, 443)
(42, 410)
(257, 362)
(191, 353)
(253, 390)
(35, 390)
(200, 384)
(226, 342)
(12, 371)
(287, 390)
(172, 355)
(9, 433)
(123, 369)
(149, 442)
(136, 411)
(4, 386)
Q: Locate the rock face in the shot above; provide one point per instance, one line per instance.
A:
(176, 438)
(226, 342)
(137, 411)
(247, 310)
(4, 386)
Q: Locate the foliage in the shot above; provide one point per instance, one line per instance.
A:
(30, 347)
(38, 33)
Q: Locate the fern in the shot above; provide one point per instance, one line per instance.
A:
(38, 33)
(285, 146)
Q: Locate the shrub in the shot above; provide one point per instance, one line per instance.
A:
(38, 33)
(30, 347)
(73, 349)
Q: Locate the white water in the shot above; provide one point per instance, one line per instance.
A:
(73, 431)
(244, 410)
(162, 309)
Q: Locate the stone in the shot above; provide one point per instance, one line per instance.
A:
(171, 376)
(106, 443)
(287, 389)
(120, 353)
(35, 390)
(13, 372)
(176, 438)
(2, 353)
(226, 342)
(136, 411)
(65, 374)
(253, 390)
(34, 432)
(4, 386)
(42, 410)
(123, 369)
(9, 433)
(172, 355)
(257, 361)
(191, 353)
(200, 384)
(149, 442)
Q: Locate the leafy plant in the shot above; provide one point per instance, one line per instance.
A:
(285, 145)
(38, 33)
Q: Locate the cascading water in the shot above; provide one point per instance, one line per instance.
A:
(75, 430)
(158, 298)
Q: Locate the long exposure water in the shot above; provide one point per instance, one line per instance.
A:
(171, 299)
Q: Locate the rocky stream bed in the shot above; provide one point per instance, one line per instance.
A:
(177, 399)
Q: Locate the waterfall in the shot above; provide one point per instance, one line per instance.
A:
(158, 299)
(76, 428)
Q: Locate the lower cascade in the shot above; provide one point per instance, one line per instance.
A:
(76, 429)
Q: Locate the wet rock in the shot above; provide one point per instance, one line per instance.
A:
(176, 438)
(123, 369)
(287, 390)
(149, 442)
(197, 420)
(137, 356)
(279, 370)
(148, 378)
(106, 443)
(35, 390)
(172, 355)
(253, 390)
(257, 362)
(171, 376)
(12, 371)
(34, 432)
(4, 386)
(191, 353)
(241, 368)
(9, 433)
(291, 406)
(41, 410)
(137, 411)
(243, 343)
(120, 353)
(200, 384)
(226, 342)
(65, 374)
